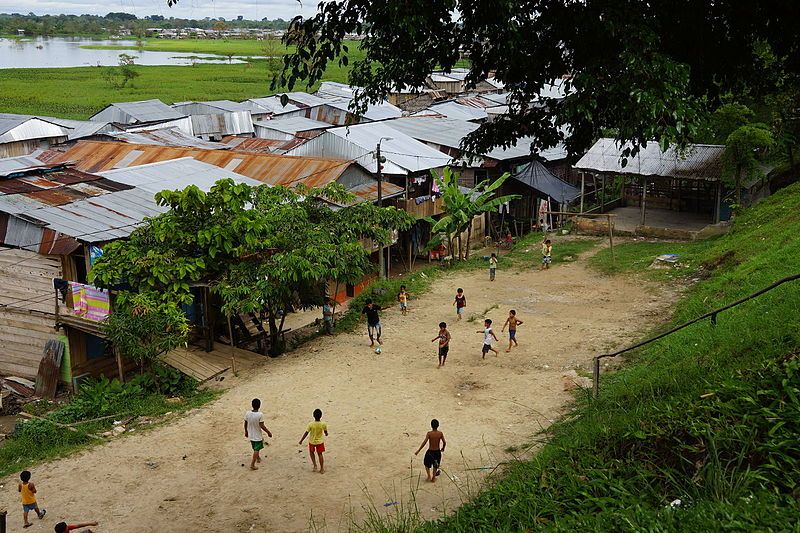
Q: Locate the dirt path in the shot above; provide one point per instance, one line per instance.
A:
(377, 408)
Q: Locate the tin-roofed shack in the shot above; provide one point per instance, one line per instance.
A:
(54, 221)
(655, 181)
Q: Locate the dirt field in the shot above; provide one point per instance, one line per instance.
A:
(191, 475)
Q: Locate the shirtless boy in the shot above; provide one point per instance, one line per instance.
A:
(436, 445)
(512, 322)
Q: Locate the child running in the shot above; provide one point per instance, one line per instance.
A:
(27, 492)
(402, 297)
(460, 302)
(373, 322)
(316, 441)
(512, 322)
(253, 425)
(492, 267)
(488, 334)
(547, 253)
(444, 343)
(433, 456)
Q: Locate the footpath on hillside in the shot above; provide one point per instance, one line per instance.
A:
(192, 474)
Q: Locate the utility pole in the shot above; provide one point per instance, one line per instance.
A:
(381, 160)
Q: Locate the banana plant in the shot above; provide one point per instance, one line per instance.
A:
(461, 205)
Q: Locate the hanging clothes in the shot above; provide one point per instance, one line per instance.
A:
(90, 302)
(95, 252)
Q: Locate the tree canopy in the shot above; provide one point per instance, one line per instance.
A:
(642, 69)
(263, 249)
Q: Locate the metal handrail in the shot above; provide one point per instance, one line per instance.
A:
(711, 314)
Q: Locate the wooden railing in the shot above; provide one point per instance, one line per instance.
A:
(711, 315)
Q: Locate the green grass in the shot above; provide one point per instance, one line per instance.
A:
(80, 92)
(36, 441)
(709, 415)
(239, 47)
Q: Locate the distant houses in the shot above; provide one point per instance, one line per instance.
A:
(68, 187)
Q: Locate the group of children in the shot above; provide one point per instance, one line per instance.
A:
(316, 431)
(27, 491)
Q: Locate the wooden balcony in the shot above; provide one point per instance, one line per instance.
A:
(427, 208)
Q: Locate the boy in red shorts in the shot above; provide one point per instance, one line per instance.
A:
(316, 441)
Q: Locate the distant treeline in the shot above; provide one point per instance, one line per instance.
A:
(115, 23)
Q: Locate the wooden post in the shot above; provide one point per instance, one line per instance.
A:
(717, 202)
(583, 188)
(120, 365)
(602, 194)
(611, 236)
(230, 334)
(595, 377)
(644, 199)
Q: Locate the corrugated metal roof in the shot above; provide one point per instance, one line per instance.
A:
(369, 191)
(24, 127)
(272, 104)
(140, 111)
(333, 89)
(292, 125)
(380, 111)
(700, 162)
(305, 99)
(456, 110)
(103, 218)
(175, 174)
(537, 177)
(15, 164)
(450, 132)
(403, 154)
(78, 129)
(94, 156)
(168, 137)
(235, 123)
(262, 146)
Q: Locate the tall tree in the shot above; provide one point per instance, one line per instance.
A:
(263, 249)
(462, 205)
(644, 69)
(742, 149)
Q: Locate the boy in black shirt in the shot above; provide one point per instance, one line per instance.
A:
(373, 322)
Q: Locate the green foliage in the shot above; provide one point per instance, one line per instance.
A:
(164, 380)
(144, 396)
(262, 249)
(145, 326)
(633, 67)
(460, 208)
(742, 149)
(118, 77)
(708, 415)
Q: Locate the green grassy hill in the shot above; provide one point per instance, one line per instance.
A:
(710, 415)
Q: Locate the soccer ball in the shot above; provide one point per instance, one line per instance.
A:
(378, 349)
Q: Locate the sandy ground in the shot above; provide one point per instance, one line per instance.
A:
(190, 475)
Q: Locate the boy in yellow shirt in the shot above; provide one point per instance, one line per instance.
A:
(316, 441)
(27, 493)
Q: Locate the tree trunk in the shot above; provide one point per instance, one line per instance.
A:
(460, 248)
(333, 308)
(274, 348)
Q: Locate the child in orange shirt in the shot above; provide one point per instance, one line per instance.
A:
(27, 492)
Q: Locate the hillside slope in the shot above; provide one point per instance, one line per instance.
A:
(709, 416)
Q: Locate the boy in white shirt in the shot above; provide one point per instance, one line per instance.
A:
(488, 335)
(253, 424)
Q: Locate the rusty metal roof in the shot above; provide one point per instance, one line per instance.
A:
(369, 191)
(168, 137)
(261, 146)
(97, 156)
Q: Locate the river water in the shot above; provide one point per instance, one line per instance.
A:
(47, 52)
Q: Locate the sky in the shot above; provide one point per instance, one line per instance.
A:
(190, 9)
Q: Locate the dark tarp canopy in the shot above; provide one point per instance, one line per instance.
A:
(544, 182)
